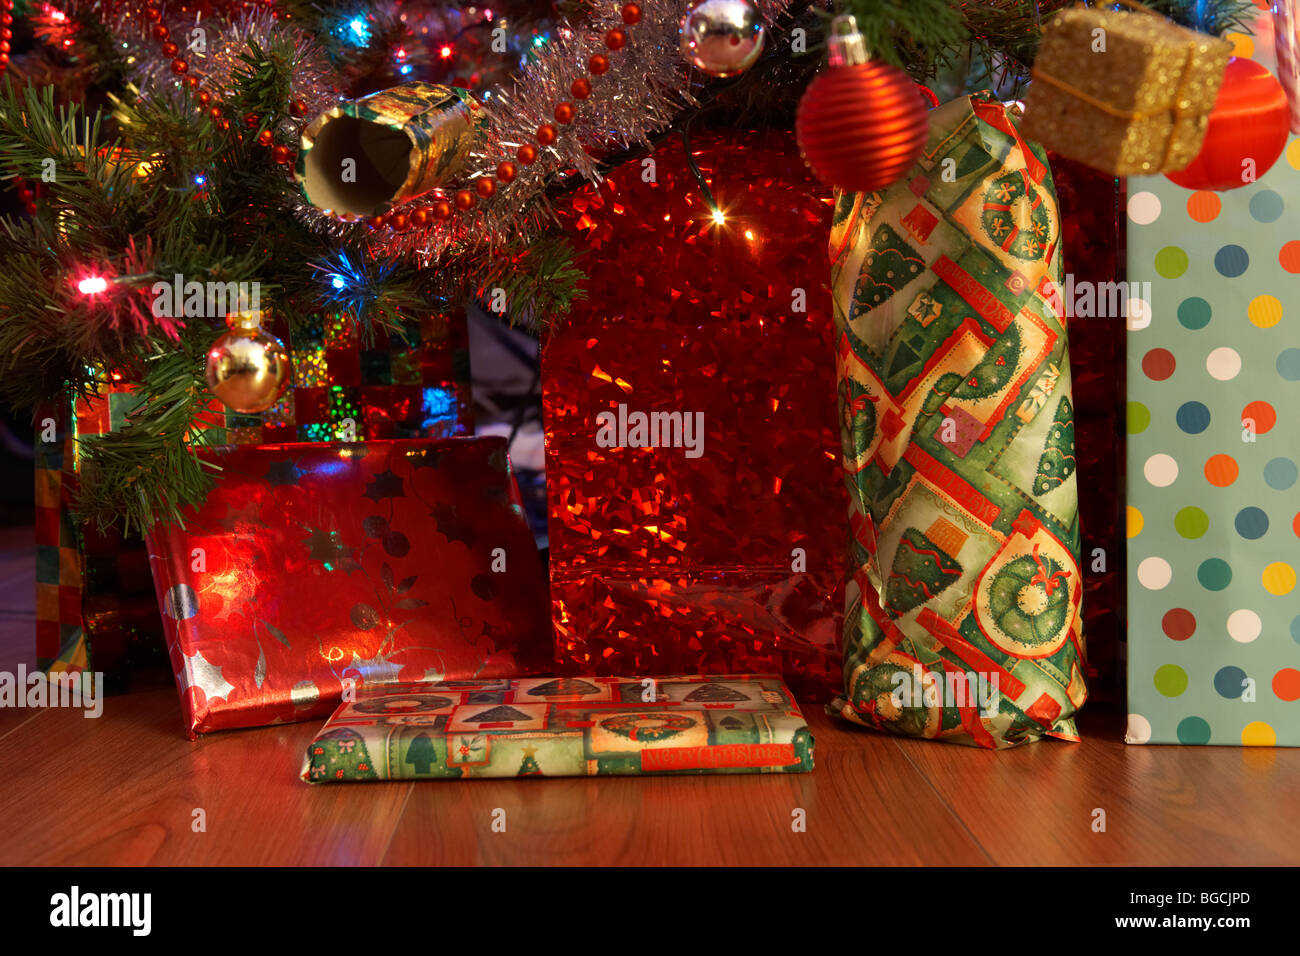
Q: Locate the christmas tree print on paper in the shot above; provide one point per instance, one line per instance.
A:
(505, 714)
(1057, 461)
(341, 755)
(921, 571)
(564, 687)
(889, 265)
(859, 410)
(528, 767)
(715, 693)
(421, 754)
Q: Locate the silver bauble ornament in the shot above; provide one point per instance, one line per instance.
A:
(722, 37)
(246, 368)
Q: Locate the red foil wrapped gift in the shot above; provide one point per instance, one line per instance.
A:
(712, 542)
(1092, 231)
(380, 561)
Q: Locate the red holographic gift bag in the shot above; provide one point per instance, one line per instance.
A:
(729, 560)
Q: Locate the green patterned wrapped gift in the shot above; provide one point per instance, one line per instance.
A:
(962, 614)
(563, 727)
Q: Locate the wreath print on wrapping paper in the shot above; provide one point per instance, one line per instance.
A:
(1030, 599)
(1015, 218)
(633, 726)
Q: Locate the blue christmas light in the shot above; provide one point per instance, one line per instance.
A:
(200, 180)
(356, 31)
(338, 282)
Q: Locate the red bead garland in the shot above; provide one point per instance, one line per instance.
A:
(6, 21)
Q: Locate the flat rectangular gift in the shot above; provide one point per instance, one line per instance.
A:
(564, 727)
(379, 561)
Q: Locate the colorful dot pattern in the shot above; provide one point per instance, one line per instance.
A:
(1213, 481)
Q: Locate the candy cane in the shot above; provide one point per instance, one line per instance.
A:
(1286, 33)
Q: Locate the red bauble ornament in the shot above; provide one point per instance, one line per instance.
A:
(862, 123)
(1247, 131)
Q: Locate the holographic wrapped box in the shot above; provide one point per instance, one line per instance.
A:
(565, 727)
(95, 604)
(1092, 249)
(1127, 93)
(962, 619)
(722, 554)
(312, 564)
(350, 387)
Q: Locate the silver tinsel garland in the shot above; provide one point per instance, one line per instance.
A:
(648, 83)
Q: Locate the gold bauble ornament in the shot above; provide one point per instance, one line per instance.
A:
(722, 37)
(247, 369)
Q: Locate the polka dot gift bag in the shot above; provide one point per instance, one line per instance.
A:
(962, 618)
(1213, 484)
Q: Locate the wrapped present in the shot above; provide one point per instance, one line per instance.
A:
(696, 519)
(962, 614)
(1092, 243)
(563, 727)
(315, 567)
(95, 602)
(350, 387)
(1126, 93)
(1214, 461)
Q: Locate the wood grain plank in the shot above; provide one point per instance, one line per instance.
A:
(17, 642)
(1176, 806)
(120, 790)
(864, 804)
(18, 570)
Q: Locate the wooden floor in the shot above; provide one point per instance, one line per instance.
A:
(123, 789)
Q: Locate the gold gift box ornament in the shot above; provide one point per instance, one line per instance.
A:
(363, 156)
(1125, 93)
